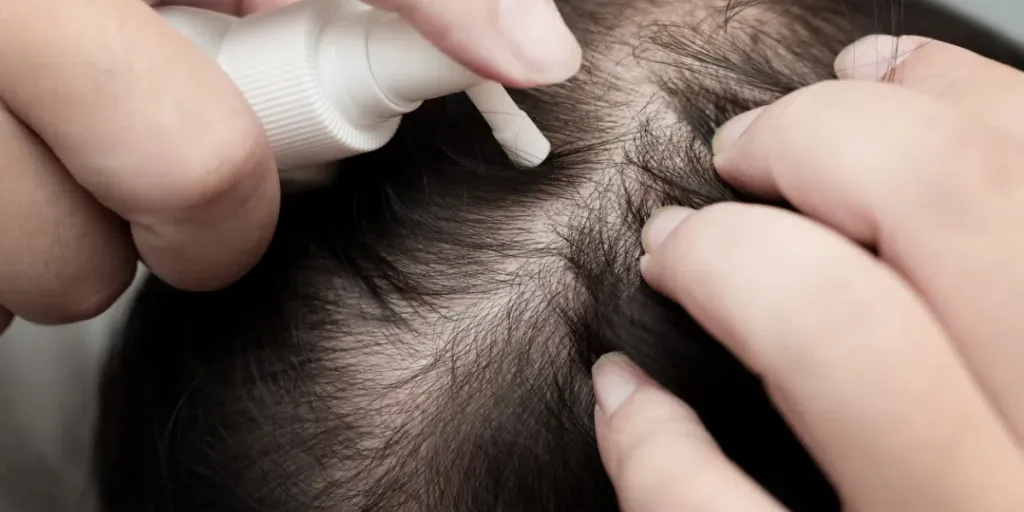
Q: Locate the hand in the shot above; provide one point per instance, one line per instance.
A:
(521, 43)
(119, 139)
(901, 372)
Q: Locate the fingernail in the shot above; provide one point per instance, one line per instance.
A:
(871, 57)
(540, 39)
(662, 222)
(615, 381)
(732, 130)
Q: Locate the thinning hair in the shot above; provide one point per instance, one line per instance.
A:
(420, 333)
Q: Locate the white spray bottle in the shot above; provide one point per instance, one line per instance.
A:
(330, 79)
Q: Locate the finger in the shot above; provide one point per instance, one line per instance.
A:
(236, 7)
(658, 454)
(65, 257)
(981, 87)
(847, 352)
(939, 194)
(150, 126)
(522, 43)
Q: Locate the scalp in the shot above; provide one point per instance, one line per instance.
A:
(420, 333)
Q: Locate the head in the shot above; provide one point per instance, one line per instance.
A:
(420, 333)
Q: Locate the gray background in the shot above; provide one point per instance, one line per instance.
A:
(1004, 15)
(47, 377)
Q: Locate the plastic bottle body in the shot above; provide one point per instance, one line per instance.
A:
(330, 79)
(317, 104)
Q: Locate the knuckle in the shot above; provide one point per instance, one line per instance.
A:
(88, 301)
(90, 295)
(648, 490)
(938, 143)
(796, 118)
(982, 176)
(939, 157)
(638, 451)
(80, 288)
(957, 165)
(647, 424)
(208, 172)
(72, 275)
(659, 444)
(838, 295)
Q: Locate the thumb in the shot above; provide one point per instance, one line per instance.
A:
(521, 43)
(658, 454)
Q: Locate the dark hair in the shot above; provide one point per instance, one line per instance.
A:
(420, 333)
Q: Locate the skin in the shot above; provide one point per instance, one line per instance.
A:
(898, 368)
(121, 141)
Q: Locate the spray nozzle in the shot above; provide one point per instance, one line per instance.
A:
(331, 79)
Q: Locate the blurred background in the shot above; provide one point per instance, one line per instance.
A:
(1006, 16)
(47, 375)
